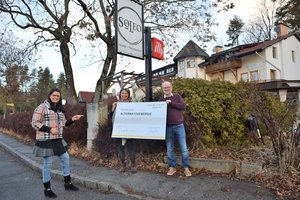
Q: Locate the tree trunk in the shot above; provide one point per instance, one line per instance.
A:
(71, 97)
(109, 69)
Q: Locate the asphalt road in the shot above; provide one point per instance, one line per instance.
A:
(19, 182)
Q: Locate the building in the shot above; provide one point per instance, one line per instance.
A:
(188, 59)
(274, 64)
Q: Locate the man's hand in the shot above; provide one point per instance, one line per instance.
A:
(168, 101)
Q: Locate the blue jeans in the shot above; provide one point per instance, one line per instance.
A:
(47, 162)
(179, 132)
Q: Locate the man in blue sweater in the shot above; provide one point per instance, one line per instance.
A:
(175, 128)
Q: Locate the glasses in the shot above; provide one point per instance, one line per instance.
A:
(55, 95)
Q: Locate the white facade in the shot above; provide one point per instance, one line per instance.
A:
(278, 61)
(188, 67)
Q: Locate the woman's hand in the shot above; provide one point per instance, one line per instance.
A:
(76, 117)
(54, 131)
(114, 104)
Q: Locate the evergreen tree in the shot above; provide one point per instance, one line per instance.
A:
(234, 31)
(61, 83)
(45, 83)
(289, 14)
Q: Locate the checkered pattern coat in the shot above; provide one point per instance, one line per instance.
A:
(43, 116)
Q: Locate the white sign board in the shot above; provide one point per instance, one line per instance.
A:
(129, 25)
(143, 120)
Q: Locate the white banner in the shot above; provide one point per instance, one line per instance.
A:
(143, 120)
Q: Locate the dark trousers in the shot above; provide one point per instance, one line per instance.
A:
(131, 147)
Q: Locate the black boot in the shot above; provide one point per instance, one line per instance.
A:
(123, 168)
(48, 192)
(69, 185)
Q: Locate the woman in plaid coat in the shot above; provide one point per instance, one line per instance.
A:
(48, 120)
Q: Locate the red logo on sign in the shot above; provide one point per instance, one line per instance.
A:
(157, 49)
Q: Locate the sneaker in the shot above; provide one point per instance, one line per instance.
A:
(187, 172)
(171, 171)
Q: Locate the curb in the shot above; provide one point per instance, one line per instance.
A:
(222, 166)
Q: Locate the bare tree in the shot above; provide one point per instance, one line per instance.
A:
(260, 28)
(170, 19)
(278, 120)
(50, 20)
(14, 62)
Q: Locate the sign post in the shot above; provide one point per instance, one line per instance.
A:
(148, 64)
(130, 36)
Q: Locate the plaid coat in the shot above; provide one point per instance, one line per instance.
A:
(43, 116)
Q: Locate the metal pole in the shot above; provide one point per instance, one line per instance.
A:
(148, 64)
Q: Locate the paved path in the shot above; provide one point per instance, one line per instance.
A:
(19, 182)
(143, 185)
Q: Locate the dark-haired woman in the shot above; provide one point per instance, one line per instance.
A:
(48, 120)
(124, 96)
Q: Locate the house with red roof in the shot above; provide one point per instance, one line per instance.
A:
(274, 64)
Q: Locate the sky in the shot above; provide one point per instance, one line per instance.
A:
(86, 72)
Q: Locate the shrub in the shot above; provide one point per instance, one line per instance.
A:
(20, 123)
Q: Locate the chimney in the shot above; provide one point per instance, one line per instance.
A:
(218, 49)
(281, 30)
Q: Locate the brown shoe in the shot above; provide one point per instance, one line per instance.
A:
(171, 171)
(123, 168)
(133, 170)
(187, 172)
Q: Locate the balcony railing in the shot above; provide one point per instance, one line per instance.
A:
(224, 66)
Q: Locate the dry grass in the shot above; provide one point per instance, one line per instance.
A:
(26, 139)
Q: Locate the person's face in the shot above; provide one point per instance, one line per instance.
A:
(124, 95)
(55, 97)
(167, 88)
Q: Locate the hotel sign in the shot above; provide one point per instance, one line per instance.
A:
(129, 26)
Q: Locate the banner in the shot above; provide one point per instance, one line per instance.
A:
(142, 120)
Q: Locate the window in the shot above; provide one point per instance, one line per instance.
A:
(293, 56)
(272, 74)
(254, 76)
(169, 70)
(245, 77)
(161, 73)
(274, 52)
(190, 63)
(181, 64)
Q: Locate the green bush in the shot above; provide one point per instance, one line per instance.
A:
(217, 108)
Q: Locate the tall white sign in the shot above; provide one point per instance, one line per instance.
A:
(129, 25)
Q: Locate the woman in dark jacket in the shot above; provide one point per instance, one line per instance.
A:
(49, 120)
(124, 96)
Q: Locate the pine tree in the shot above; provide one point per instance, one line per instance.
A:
(234, 31)
(289, 14)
